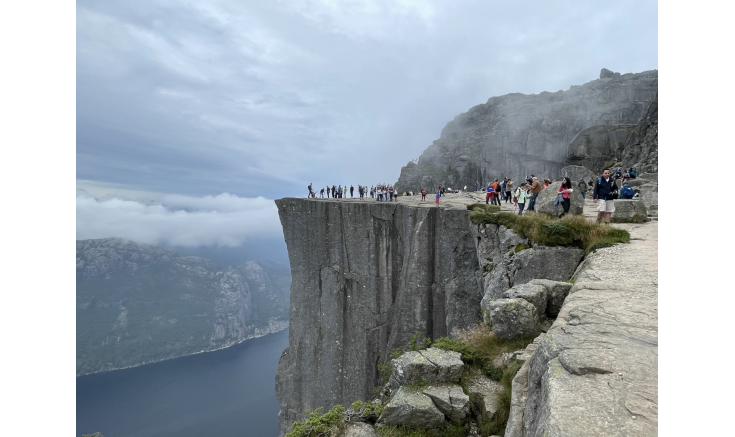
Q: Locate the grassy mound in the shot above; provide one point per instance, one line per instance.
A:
(546, 230)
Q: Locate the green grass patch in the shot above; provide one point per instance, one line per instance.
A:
(330, 423)
(575, 231)
(448, 430)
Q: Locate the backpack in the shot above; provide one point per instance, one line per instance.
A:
(627, 192)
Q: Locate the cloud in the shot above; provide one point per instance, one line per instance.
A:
(222, 220)
(259, 98)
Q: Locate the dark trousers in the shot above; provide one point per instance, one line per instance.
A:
(532, 203)
(565, 203)
(520, 208)
(507, 197)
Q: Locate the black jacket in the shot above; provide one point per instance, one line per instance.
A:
(604, 190)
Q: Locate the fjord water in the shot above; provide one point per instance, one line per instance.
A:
(229, 392)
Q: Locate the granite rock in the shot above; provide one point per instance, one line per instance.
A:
(547, 196)
(516, 135)
(412, 409)
(629, 210)
(431, 365)
(533, 294)
(512, 318)
(556, 292)
(366, 276)
(451, 400)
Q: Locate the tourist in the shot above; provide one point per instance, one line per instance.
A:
(321, 193)
(535, 189)
(352, 190)
(423, 194)
(565, 189)
(477, 186)
(582, 188)
(438, 194)
(490, 193)
(521, 196)
(310, 191)
(498, 191)
(546, 183)
(604, 195)
(508, 191)
(627, 192)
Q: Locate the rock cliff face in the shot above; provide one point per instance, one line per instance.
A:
(516, 134)
(365, 277)
(139, 303)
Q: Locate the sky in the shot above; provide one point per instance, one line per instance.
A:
(192, 116)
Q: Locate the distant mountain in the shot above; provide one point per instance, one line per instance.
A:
(139, 303)
(516, 135)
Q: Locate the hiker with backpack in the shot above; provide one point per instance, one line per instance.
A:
(604, 196)
(626, 192)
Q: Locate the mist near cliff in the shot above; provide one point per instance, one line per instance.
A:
(260, 98)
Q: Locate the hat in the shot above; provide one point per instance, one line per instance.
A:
(534, 177)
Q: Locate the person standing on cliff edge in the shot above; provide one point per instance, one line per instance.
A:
(438, 194)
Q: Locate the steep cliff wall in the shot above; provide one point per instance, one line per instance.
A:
(516, 134)
(365, 277)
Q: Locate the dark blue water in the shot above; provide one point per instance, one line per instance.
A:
(230, 392)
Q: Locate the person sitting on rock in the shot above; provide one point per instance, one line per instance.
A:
(627, 192)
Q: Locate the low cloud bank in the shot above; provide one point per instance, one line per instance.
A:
(223, 220)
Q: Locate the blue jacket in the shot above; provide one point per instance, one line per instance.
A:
(604, 190)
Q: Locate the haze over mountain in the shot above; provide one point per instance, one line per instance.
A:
(139, 303)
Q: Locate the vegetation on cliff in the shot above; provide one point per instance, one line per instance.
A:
(480, 350)
(545, 230)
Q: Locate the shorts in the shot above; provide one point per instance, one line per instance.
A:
(605, 205)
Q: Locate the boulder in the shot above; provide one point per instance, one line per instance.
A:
(358, 429)
(542, 262)
(556, 292)
(431, 365)
(512, 318)
(577, 172)
(531, 293)
(451, 400)
(649, 197)
(545, 200)
(488, 390)
(629, 211)
(411, 408)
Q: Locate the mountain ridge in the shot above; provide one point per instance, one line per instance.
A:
(140, 303)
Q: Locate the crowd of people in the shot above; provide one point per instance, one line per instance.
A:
(609, 186)
(381, 192)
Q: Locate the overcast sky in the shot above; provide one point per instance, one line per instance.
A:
(259, 98)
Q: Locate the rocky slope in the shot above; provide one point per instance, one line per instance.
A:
(516, 134)
(367, 275)
(595, 372)
(139, 303)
